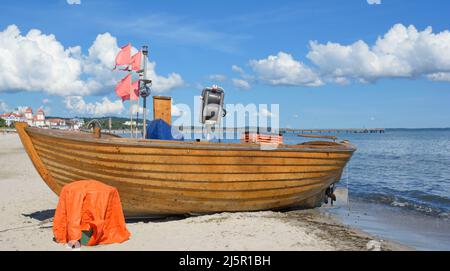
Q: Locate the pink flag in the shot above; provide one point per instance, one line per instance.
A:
(123, 88)
(135, 91)
(124, 56)
(136, 61)
(126, 97)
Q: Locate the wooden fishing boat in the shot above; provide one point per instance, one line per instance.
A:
(157, 177)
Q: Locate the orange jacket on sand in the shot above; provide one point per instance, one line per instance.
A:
(90, 205)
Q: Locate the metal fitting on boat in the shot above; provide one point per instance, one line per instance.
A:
(329, 194)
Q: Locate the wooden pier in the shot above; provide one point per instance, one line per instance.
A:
(334, 131)
(282, 130)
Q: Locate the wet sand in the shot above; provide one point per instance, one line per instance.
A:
(27, 206)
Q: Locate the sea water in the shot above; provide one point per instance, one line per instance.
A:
(398, 185)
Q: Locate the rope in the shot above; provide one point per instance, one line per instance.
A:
(40, 224)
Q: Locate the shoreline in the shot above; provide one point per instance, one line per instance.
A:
(27, 206)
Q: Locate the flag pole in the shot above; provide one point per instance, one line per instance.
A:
(138, 102)
(137, 115)
(145, 91)
(131, 108)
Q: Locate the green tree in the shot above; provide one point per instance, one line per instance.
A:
(2, 122)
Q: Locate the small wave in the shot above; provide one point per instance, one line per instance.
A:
(404, 202)
(399, 204)
(420, 195)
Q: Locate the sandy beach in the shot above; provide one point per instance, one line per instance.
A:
(27, 206)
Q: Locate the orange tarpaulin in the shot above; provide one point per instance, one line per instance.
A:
(89, 205)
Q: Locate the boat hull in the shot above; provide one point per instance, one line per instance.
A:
(164, 177)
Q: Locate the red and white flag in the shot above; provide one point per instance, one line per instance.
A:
(124, 56)
(136, 61)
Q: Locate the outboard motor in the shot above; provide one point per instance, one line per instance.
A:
(211, 110)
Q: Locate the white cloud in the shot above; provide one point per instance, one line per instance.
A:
(161, 83)
(74, 2)
(3, 107)
(105, 107)
(265, 113)
(237, 69)
(440, 76)
(135, 109)
(240, 83)
(283, 69)
(401, 52)
(217, 77)
(242, 73)
(374, 2)
(21, 109)
(45, 101)
(176, 112)
(39, 62)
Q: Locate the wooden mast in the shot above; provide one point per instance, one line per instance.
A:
(131, 107)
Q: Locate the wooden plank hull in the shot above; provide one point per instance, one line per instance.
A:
(164, 177)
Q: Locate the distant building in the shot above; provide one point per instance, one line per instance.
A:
(56, 123)
(127, 123)
(39, 119)
(12, 117)
(75, 123)
(29, 116)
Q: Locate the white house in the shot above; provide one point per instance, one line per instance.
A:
(29, 116)
(39, 119)
(56, 123)
(12, 117)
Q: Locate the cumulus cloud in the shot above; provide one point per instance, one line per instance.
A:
(176, 111)
(104, 107)
(242, 73)
(440, 76)
(3, 107)
(401, 52)
(240, 83)
(374, 2)
(283, 69)
(237, 69)
(74, 2)
(39, 62)
(161, 83)
(265, 113)
(217, 77)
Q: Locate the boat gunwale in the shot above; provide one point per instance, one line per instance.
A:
(344, 147)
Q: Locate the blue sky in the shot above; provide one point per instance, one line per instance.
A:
(198, 39)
